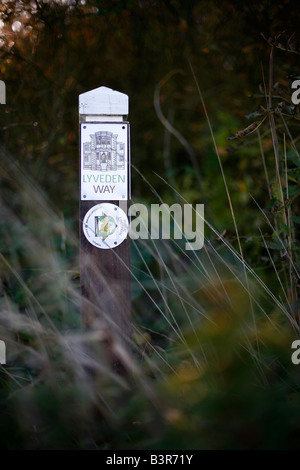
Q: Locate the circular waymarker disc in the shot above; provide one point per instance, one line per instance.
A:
(105, 225)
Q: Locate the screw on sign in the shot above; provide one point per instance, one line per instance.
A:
(104, 195)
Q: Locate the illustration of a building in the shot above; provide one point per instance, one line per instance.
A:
(103, 152)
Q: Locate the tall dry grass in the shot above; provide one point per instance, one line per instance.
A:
(211, 354)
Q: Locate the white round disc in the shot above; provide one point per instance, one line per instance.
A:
(105, 225)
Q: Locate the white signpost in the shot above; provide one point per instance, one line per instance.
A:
(104, 195)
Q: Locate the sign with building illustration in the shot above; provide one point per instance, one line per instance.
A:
(104, 161)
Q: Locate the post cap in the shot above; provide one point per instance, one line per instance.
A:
(103, 101)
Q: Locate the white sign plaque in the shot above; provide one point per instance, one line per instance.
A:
(104, 161)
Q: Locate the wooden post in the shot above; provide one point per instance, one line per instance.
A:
(104, 195)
